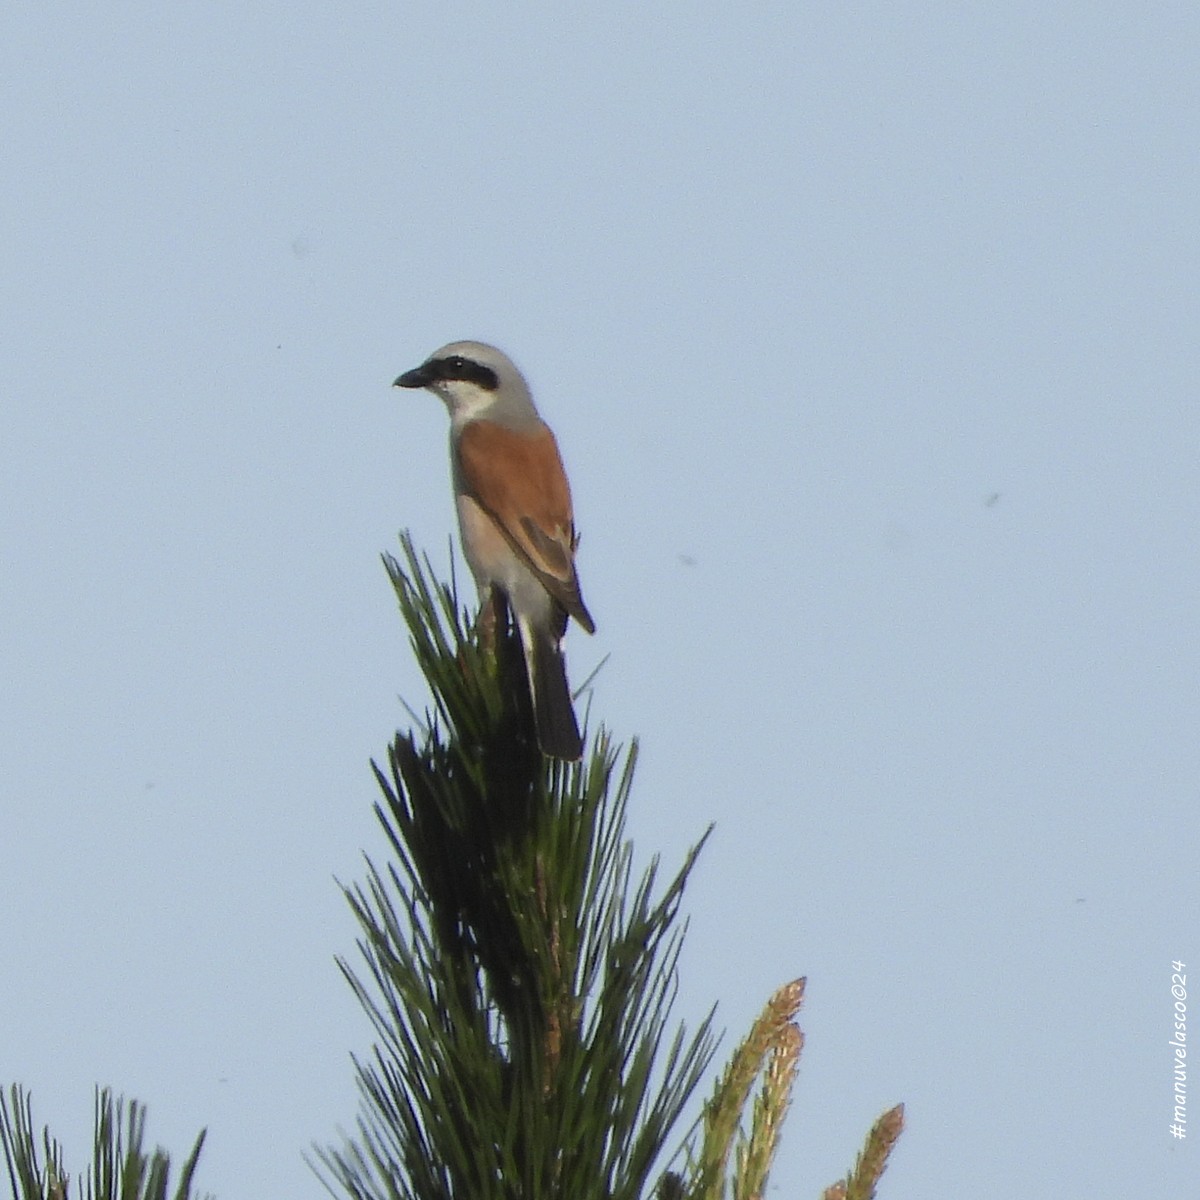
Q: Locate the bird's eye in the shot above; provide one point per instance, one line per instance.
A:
(456, 362)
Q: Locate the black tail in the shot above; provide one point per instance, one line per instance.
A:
(553, 713)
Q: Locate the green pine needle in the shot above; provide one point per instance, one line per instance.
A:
(121, 1169)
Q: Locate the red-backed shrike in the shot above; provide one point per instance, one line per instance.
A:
(514, 513)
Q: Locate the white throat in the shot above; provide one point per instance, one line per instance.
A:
(465, 402)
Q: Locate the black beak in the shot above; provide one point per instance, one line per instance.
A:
(418, 377)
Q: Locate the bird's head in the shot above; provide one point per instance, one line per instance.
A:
(473, 379)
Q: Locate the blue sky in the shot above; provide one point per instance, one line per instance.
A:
(869, 335)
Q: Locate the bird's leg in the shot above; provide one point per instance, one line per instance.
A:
(501, 645)
(492, 615)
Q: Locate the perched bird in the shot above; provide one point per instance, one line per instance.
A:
(514, 514)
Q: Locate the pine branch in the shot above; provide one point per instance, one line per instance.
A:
(121, 1170)
(519, 979)
(776, 1041)
(757, 1151)
(869, 1166)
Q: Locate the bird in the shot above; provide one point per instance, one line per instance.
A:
(515, 518)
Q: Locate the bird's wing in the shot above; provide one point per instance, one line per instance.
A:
(518, 479)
